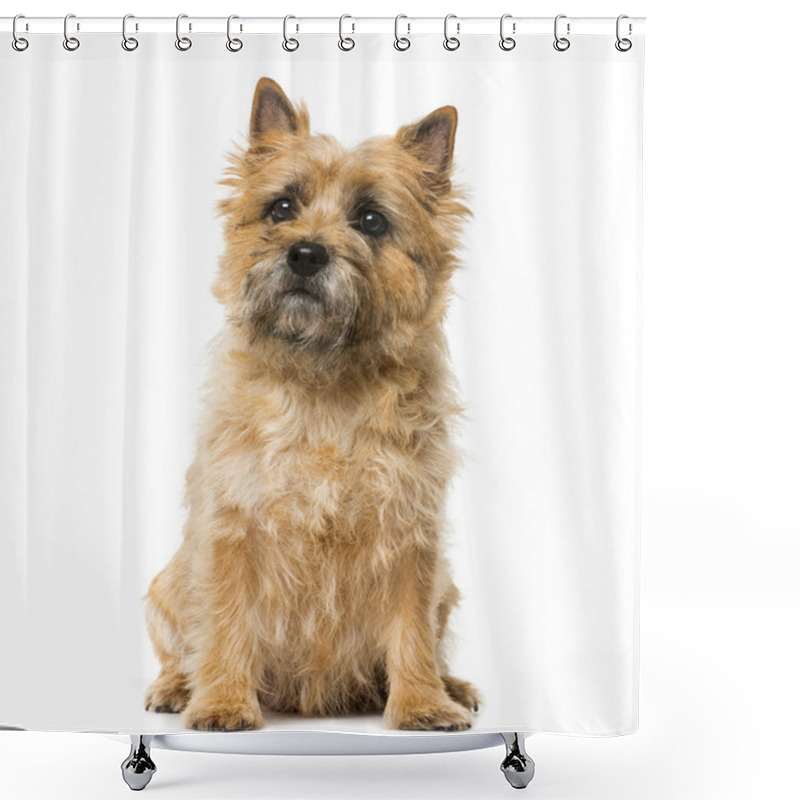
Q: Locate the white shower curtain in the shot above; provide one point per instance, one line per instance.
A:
(110, 241)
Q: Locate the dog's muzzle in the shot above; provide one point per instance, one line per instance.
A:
(307, 258)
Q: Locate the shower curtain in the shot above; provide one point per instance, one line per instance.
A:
(113, 166)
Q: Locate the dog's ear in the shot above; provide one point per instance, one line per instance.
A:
(273, 112)
(431, 139)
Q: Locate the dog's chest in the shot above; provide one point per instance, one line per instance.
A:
(324, 473)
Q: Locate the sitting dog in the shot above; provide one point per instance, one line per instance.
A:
(311, 577)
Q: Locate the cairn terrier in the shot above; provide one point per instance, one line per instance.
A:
(311, 576)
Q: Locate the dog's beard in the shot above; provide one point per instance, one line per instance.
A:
(318, 313)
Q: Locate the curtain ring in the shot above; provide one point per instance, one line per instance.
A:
(401, 42)
(561, 43)
(623, 45)
(129, 43)
(183, 43)
(345, 42)
(19, 43)
(234, 45)
(506, 42)
(451, 42)
(289, 44)
(71, 43)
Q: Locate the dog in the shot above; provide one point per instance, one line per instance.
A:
(311, 577)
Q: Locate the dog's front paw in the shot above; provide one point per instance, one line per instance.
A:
(223, 714)
(462, 692)
(438, 714)
(167, 694)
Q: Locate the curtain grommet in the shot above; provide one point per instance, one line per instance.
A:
(346, 43)
(233, 44)
(623, 44)
(183, 43)
(561, 43)
(129, 43)
(451, 43)
(19, 43)
(401, 43)
(289, 44)
(507, 43)
(71, 43)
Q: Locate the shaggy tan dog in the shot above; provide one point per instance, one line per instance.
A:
(311, 576)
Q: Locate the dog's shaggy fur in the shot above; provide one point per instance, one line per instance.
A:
(311, 576)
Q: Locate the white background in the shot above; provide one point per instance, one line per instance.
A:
(721, 437)
(543, 512)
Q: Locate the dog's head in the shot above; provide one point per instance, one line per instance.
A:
(331, 249)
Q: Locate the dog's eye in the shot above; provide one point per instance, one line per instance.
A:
(372, 223)
(282, 210)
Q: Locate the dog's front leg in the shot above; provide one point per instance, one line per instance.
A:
(417, 698)
(225, 667)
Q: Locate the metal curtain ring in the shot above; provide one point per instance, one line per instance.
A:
(451, 42)
(401, 42)
(234, 45)
(506, 42)
(289, 44)
(19, 43)
(71, 43)
(561, 43)
(623, 45)
(345, 42)
(181, 42)
(129, 43)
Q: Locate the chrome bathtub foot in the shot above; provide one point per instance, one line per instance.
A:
(517, 766)
(138, 768)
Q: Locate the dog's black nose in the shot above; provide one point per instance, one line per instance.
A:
(307, 258)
